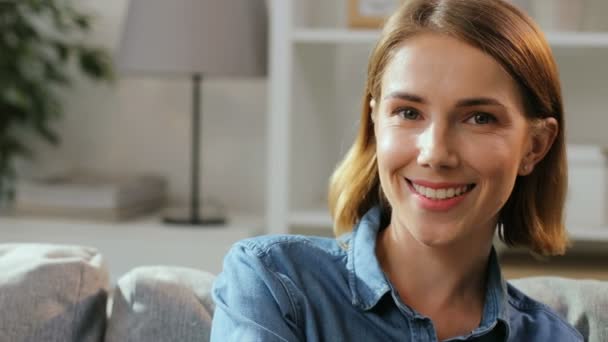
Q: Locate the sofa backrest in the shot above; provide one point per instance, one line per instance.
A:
(584, 303)
(52, 293)
(161, 304)
(60, 293)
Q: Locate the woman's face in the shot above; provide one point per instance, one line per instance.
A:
(451, 137)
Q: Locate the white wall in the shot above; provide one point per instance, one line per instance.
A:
(143, 125)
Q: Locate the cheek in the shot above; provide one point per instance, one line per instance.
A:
(502, 168)
(497, 164)
(394, 148)
(494, 154)
(494, 160)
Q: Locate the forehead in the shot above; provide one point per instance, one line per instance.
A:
(432, 64)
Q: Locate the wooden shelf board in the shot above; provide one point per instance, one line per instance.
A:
(350, 36)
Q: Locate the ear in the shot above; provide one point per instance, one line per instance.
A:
(372, 106)
(542, 137)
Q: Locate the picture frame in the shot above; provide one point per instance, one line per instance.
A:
(370, 14)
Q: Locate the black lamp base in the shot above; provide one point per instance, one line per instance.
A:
(184, 217)
(194, 215)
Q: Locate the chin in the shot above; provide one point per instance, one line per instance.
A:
(437, 235)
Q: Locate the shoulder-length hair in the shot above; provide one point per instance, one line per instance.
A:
(533, 214)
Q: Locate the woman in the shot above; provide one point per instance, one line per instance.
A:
(461, 134)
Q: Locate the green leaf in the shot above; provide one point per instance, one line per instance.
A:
(56, 75)
(16, 98)
(62, 50)
(47, 133)
(83, 21)
(96, 63)
(10, 145)
(31, 68)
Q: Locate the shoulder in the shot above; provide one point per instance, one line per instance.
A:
(289, 244)
(270, 285)
(285, 251)
(528, 316)
(281, 266)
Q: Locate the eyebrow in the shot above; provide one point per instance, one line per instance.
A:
(469, 102)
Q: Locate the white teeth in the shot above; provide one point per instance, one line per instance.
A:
(439, 193)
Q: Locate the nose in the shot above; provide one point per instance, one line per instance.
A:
(435, 148)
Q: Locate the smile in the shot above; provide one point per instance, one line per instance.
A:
(440, 192)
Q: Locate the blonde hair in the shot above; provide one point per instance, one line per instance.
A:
(533, 215)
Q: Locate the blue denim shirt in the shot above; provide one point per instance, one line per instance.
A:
(296, 288)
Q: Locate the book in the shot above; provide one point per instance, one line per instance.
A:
(88, 194)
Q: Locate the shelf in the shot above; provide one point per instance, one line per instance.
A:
(589, 234)
(346, 36)
(334, 36)
(321, 219)
(578, 39)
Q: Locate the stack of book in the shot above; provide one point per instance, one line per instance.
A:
(88, 195)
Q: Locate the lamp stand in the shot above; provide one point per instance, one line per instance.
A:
(195, 216)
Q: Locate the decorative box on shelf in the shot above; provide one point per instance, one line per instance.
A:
(90, 195)
(587, 199)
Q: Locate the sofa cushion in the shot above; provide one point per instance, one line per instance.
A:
(583, 303)
(161, 304)
(52, 293)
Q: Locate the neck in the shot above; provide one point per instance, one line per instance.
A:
(435, 278)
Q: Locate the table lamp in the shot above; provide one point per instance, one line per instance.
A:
(198, 39)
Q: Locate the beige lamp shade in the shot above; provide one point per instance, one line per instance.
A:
(186, 37)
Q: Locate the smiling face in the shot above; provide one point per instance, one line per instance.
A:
(451, 137)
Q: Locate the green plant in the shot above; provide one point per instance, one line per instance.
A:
(42, 45)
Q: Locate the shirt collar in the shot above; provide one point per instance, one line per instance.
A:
(368, 283)
(496, 300)
(366, 279)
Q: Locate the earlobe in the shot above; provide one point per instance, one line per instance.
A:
(524, 168)
(542, 138)
(372, 112)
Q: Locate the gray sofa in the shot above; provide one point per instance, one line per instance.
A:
(62, 293)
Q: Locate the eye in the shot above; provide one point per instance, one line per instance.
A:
(481, 118)
(408, 113)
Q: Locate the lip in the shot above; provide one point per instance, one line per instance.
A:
(435, 185)
(439, 205)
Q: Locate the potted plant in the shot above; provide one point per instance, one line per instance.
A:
(42, 44)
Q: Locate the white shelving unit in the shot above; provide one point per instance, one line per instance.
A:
(317, 76)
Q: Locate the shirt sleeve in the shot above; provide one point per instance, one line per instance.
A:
(252, 301)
